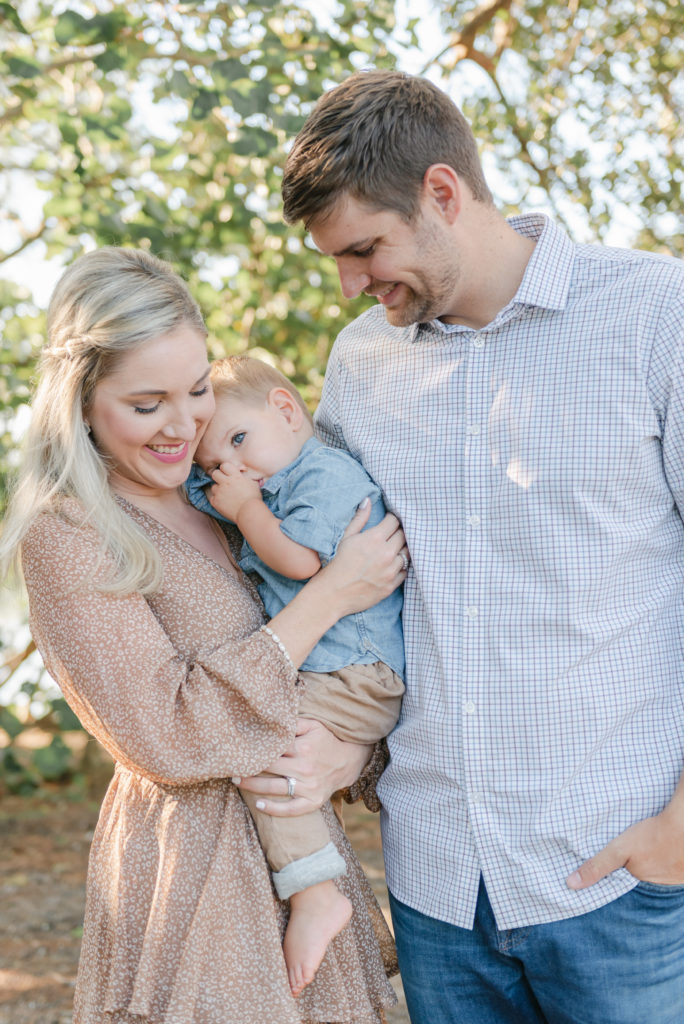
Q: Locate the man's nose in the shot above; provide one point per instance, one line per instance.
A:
(353, 279)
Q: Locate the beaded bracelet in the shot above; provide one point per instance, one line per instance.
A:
(279, 643)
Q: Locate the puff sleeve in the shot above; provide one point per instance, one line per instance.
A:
(229, 710)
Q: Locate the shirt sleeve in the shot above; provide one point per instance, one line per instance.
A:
(230, 711)
(326, 418)
(323, 494)
(666, 376)
(197, 496)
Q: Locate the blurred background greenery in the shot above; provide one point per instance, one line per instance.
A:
(165, 125)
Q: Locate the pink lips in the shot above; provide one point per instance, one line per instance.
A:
(170, 456)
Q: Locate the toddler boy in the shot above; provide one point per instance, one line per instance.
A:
(292, 498)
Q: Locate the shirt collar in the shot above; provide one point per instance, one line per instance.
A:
(547, 278)
(275, 482)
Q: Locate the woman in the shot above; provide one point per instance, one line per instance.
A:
(159, 645)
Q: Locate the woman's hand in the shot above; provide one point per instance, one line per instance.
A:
(368, 566)
(319, 763)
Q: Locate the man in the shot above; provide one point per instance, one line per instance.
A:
(516, 398)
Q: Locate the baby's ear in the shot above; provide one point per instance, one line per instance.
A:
(287, 405)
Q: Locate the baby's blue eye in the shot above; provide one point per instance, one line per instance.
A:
(237, 439)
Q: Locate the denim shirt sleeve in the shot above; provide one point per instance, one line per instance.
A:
(321, 496)
(194, 488)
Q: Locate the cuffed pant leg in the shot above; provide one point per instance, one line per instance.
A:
(298, 850)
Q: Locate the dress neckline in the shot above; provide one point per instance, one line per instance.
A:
(235, 573)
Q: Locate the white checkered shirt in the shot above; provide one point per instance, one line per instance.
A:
(537, 466)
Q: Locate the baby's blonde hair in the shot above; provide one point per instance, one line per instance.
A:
(251, 380)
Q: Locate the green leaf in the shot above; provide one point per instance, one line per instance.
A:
(68, 130)
(66, 719)
(254, 142)
(16, 777)
(180, 84)
(21, 68)
(226, 72)
(110, 60)
(10, 723)
(53, 762)
(204, 103)
(8, 13)
(72, 29)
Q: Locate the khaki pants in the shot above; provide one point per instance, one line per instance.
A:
(359, 703)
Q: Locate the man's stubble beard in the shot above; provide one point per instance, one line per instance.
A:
(436, 298)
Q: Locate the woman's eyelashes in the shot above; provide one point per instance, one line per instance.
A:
(144, 409)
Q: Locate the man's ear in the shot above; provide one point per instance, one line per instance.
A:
(442, 187)
(287, 405)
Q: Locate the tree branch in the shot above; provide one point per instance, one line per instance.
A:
(15, 660)
(28, 239)
(462, 46)
(479, 18)
(10, 113)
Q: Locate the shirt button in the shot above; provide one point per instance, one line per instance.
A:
(471, 612)
(474, 429)
(473, 520)
(478, 341)
(469, 707)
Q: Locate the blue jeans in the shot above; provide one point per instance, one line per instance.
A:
(621, 964)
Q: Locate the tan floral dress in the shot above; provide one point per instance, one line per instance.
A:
(182, 925)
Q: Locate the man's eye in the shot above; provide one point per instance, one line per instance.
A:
(362, 253)
(237, 439)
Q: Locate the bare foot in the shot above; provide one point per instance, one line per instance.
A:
(317, 915)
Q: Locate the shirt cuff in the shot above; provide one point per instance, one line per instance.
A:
(364, 787)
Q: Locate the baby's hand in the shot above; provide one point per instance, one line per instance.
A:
(231, 490)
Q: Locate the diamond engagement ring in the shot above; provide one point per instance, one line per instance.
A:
(291, 783)
(404, 561)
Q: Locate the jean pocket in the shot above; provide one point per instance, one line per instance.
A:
(658, 888)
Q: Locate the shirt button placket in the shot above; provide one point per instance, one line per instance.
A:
(473, 595)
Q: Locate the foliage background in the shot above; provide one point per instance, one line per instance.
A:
(165, 125)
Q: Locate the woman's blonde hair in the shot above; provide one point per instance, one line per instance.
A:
(251, 380)
(107, 303)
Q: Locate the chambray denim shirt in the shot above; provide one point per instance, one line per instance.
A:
(315, 498)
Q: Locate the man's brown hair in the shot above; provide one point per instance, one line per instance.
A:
(372, 138)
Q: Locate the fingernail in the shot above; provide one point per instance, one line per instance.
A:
(236, 780)
(574, 881)
(364, 502)
(260, 805)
